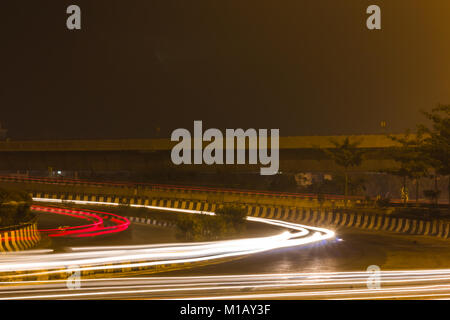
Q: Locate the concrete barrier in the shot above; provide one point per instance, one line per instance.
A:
(306, 215)
(154, 222)
(19, 238)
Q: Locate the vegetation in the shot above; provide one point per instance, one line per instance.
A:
(14, 208)
(419, 156)
(413, 162)
(382, 202)
(346, 155)
(426, 154)
(436, 144)
(336, 185)
(227, 222)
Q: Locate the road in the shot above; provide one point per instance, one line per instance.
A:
(418, 284)
(332, 268)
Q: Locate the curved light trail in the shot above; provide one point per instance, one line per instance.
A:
(406, 284)
(97, 225)
(110, 258)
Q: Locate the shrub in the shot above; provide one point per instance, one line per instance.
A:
(234, 216)
(228, 221)
(14, 207)
(382, 202)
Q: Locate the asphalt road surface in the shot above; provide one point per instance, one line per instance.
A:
(351, 250)
(410, 267)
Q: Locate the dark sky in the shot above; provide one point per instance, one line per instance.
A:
(303, 66)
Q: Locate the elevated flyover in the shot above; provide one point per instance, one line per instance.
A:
(297, 154)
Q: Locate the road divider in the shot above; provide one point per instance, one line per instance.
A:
(374, 222)
(325, 217)
(164, 224)
(19, 238)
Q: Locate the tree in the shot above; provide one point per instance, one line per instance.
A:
(346, 155)
(228, 221)
(14, 207)
(436, 144)
(413, 163)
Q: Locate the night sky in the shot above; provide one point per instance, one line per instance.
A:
(305, 67)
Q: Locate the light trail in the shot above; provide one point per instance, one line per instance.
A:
(402, 284)
(344, 285)
(122, 257)
(95, 228)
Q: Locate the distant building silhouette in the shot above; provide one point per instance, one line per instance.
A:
(2, 133)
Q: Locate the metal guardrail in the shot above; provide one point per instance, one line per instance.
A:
(65, 181)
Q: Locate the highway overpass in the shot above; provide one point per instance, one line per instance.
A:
(297, 154)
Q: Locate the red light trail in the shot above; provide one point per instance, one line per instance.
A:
(96, 226)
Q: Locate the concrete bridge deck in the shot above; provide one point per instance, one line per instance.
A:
(297, 154)
(300, 142)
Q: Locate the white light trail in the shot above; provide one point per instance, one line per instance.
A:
(407, 284)
(95, 259)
